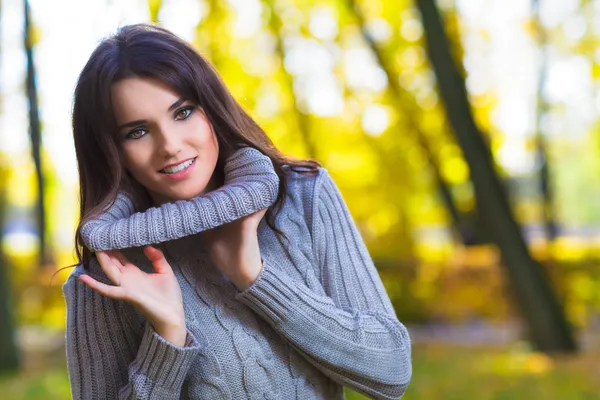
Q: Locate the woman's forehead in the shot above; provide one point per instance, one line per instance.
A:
(136, 95)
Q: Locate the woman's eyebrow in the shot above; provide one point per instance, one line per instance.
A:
(179, 102)
(131, 124)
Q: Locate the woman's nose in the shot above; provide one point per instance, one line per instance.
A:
(168, 145)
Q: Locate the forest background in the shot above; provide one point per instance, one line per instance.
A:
(463, 134)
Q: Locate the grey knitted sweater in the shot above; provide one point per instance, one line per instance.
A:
(316, 318)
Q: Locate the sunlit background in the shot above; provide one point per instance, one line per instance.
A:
(350, 84)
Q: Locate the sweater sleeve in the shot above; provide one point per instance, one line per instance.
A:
(112, 355)
(251, 184)
(352, 334)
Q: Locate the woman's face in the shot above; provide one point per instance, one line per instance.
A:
(168, 143)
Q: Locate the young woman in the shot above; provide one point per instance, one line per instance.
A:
(211, 266)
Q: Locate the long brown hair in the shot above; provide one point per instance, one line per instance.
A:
(149, 51)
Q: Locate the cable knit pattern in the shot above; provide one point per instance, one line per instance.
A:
(251, 184)
(316, 318)
(255, 354)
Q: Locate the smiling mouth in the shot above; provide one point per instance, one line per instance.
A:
(178, 168)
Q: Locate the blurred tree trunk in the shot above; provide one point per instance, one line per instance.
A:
(9, 354)
(546, 323)
(153, 9)
(465, 226)
(540, 140)
(35, 136)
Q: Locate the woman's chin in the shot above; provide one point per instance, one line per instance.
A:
(180, 191)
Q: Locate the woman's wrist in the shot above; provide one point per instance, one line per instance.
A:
(173, 335)
(248, 275)
(173, 331)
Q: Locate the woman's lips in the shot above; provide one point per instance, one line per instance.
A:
(179, 175)
(176, 164)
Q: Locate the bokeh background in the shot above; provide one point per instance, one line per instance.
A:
(463, 134)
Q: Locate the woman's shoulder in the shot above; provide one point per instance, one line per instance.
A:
(307, 181)
(303, 180)
(75, 274)
(92, 268)
(304, 186)
(304, 174)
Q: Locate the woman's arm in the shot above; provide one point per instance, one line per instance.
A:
(113, 354)
(352, 335)
(251, 184)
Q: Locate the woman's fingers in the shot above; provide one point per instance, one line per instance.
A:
(121, 258)
(156, 256)
(114, 292)
(108, 266)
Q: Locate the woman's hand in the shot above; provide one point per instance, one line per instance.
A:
(157, 296)
(234, 249)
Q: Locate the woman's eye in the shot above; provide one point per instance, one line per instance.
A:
(184, 113)
(136, 133)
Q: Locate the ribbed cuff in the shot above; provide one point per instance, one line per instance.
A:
(272, 294)
(162, 363)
